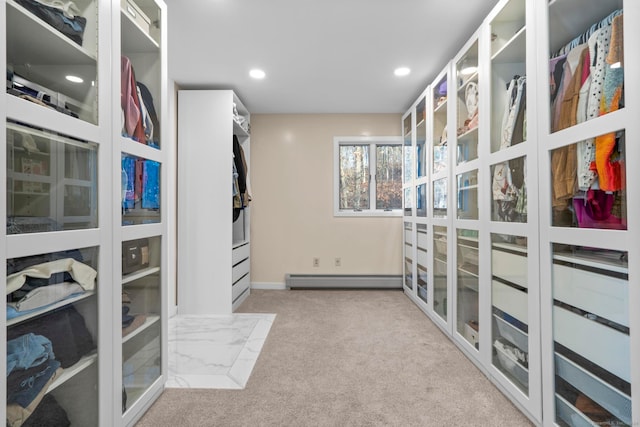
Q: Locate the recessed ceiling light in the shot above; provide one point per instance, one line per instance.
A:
(257, 74)
(402, 71)
(74, 79)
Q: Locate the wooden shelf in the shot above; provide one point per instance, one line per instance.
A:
(513, 51)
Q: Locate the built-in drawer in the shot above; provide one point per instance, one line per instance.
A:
(422, 258)
(240, 253)
(602, 345)
(423, 240)
(511, 366)
(239, 287)
(510, 300)
(239, 271)
(570, 415)
(512, 334)
(408, 235)
(610, 398)
(595, 293)
(509, 266)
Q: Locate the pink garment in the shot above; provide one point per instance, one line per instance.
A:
(127, 99)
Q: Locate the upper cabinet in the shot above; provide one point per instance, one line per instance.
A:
(52, 55)
(467, 104)
(142, 58)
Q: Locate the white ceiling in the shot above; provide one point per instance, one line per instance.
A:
(320, 56)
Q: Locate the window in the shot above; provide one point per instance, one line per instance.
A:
(367, 176)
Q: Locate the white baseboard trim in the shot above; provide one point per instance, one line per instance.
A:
(271, 286)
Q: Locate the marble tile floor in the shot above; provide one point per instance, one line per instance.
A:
(215, 351)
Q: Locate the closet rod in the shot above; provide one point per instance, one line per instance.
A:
(584, 37)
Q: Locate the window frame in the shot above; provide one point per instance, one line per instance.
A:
(372, 142)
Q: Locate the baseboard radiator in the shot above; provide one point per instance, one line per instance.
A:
(342, 281)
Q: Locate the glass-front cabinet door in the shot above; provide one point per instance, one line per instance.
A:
(141, 66)
(509, 308)
(141, 309)
(467, 103)
(422, 261)
(468, 286)
(421, 138)
(591, 336)
(440, 271)
(408, 255)
(52, 297)
(590, 290)
(52, 55)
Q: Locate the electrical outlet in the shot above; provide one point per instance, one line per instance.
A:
(338, 262)
(316, 262)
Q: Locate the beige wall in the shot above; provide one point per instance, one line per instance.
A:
(292, 209)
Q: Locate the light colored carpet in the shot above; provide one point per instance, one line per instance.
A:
(346, 358)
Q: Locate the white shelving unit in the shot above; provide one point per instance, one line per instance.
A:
(67, 149)
(214, 250)
(142, 240)
(552, 296)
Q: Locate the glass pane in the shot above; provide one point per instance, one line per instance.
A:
(509, 298)
(468, 195)
(55, 317)
(440, 126)
(586, 62)
(421, 138)
(141, 308)
(467, 286)
(51, 181)
(588, 183)
(467, 105)
(408, 155)
(388, 177)
(408, 202)
(422, 261)
(421, 200)
(591, 335)
(509, 191)
(52, 57)
(140, 190)
(440, 198)
(508, 69)
(408, 255)
(142, 72)
(440, 271)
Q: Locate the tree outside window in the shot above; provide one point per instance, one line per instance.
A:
(368, 176)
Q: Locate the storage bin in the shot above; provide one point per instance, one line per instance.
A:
(512, 334)
(510, 365)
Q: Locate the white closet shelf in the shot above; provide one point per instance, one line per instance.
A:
(466, 137)
(468, 187)
(84, 362)
(134, 38)
(510, 247)
(441, 108)
(239, 131)
(49, 308)
(594, 260)
(139, 274)
(513, 51)
(31, 40)
(149, 322)
(472, 78)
